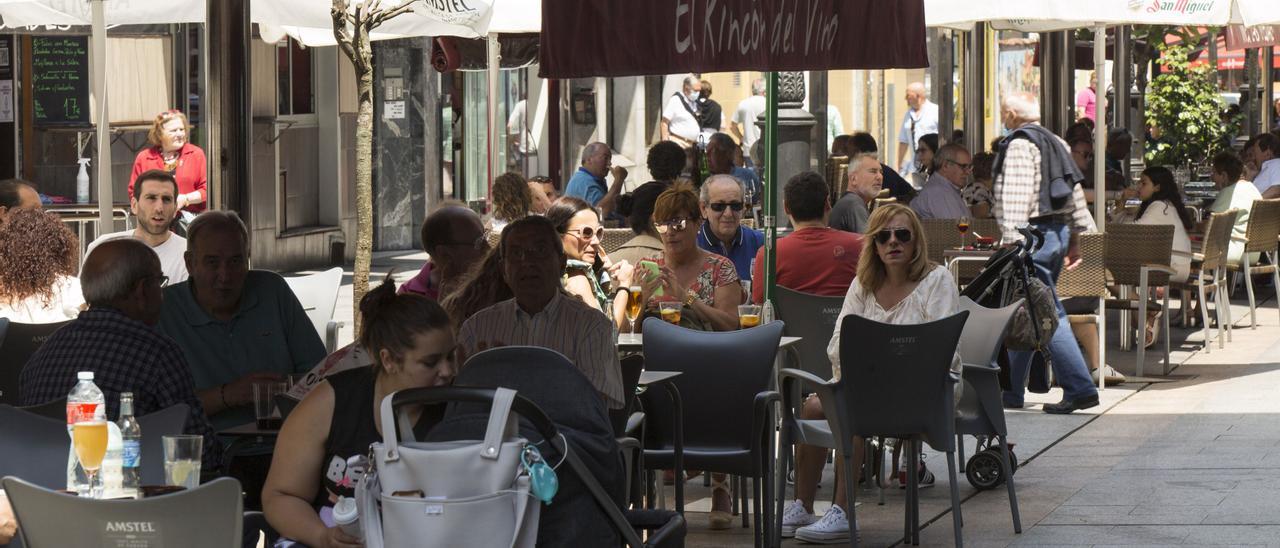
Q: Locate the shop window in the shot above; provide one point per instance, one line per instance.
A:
(293, 75)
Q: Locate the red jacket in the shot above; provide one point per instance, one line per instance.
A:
(192, 173)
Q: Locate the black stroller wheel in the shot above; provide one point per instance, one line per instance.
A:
(983, 470)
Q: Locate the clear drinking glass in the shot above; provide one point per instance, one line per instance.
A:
(962, 225)
(90, 439)
(635, 305)
(264, 404)
(670, 312)
(748, 316)
(182, 460)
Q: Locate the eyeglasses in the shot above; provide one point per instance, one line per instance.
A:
(965, 167)
(163, 281)
(902, 234)
(676, 225)
(587, 232)
(718, 207)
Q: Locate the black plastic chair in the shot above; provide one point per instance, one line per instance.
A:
(33, 447)
(18, 341)
(813, 319)
(666, 529)
(980, 411)
(728, 406)
(895, 382)
(208, 516)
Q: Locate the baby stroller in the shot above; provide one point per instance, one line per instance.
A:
(1005, 279)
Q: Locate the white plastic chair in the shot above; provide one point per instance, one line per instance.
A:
(318, 294)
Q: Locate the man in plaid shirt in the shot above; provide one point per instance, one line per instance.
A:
(117, 340)
(1019, 183)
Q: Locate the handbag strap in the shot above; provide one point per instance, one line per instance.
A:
(502, 424)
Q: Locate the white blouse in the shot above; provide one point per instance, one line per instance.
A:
(63, 305)
(1163, 213)
(934, 298)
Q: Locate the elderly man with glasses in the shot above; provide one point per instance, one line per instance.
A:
(941, 197)
(722, 233)
(116, 339)
(454, 239)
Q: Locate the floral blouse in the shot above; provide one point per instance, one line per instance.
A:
(716, 272)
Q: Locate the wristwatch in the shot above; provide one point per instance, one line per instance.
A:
(690, 297)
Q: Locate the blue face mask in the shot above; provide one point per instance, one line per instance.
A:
(693, 96)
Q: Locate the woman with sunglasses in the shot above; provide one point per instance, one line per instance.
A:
(895, 284)
(589, 274)
(171, 151)
(707, 284)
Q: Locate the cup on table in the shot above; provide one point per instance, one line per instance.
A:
(182, 460)
(264, 404)
(670, 312)
(748, 315)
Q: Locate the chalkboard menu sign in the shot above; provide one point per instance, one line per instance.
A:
(60, 79)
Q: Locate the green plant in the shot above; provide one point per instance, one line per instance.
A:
(1183, 102)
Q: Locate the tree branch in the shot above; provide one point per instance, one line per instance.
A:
(384, 15)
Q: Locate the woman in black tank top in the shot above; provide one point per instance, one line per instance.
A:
(412, 343)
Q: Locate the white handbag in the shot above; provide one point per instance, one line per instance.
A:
(458, 493)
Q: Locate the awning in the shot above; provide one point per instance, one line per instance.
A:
(586, 38)
(62, 13)
(1053, 15)
(309, 22)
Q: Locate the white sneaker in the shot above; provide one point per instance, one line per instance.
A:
(793, 517)
(833, 528)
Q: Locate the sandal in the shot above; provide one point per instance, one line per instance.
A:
(1153, 329)
(719, 519)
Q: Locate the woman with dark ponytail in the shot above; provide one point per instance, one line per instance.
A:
(411, 341)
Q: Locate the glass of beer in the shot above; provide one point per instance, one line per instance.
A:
(90, 439)
(748, 315)
(264, 404)
(670, 312)
(962, 225)
(635, 305)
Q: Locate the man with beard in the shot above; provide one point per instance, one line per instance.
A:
(154, 206)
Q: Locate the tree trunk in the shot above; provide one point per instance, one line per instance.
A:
(364, 184)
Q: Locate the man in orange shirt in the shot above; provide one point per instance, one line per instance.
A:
(814, 258)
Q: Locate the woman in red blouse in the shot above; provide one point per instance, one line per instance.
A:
(171, 151)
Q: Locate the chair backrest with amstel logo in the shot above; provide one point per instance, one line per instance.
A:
(209, 516)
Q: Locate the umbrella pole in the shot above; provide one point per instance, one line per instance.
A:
(770, 185)
(1100, 179)
(496, 127)
(103, 162)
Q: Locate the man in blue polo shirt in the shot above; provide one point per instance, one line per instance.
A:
(235, 326)
(588, 182)
(722, 232)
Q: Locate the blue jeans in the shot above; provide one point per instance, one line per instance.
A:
(1068, 363)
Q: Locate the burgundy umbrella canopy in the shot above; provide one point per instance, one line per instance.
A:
(586, 38)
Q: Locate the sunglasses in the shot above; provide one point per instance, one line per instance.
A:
(718, 207)
(676, 225)
(902, 234)
(587, 232)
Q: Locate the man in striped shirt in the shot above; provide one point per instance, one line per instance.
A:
(1037, 184)
(541, 314)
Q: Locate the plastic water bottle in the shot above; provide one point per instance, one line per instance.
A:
(82, 182)
(346, 515)
(131, 445)
(84, 403)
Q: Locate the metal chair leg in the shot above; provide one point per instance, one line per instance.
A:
(850, 492)
(1204, 315)
(1248, 286)
(1141, 320)
(1165, 367)
(957, 520)
(1007, 463)
(742, 497)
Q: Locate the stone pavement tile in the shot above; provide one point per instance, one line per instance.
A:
(1101, 535)
(1254, 535)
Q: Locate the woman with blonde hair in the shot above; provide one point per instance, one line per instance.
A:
(895, 284)
(171, 151)
(705, 283)
(512, 200)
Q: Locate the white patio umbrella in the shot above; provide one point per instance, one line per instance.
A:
(97, 14)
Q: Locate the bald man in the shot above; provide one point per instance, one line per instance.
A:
(454, 239)
(921, 119)
(588, 183)
(17, 194)
(117, 340)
